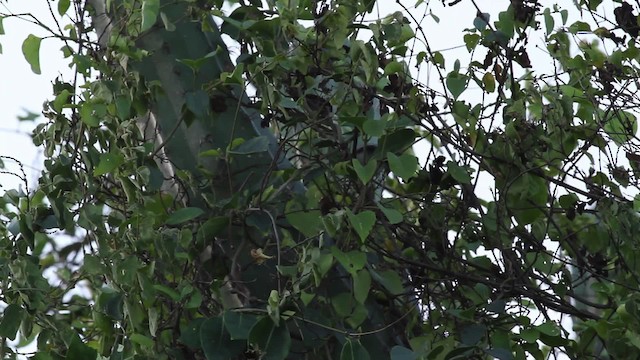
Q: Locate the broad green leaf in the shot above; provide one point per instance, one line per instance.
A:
(307, 222)
(89, 113)
(458, 172)
(390, 280)
(393, 68)
(31, 52)
(549, 328)
(362, 223)
(63, 6)
(530, 335)
(92, 265)
(397, 142)
(374, 127)
(343, 304)
(212, 227)
(79, 350)
(190, 335)
(274, 341)
(353, 350)
(633, 337)
(456, 83)
(471, 41)
(402, 353)
(500, 353)
(108, 163)
(252, 146)
(183, 215)
(239, 324)
(361, 285)
(394, 216)
(150, 10)
(472, 334)
(11, 319)
(142, 340)
(2, 25)
(404, 166)
(111, 303)
(216, 342)
(365, 173)
(172, 294)
(352, 261)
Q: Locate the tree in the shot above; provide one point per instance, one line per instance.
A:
(264, 200)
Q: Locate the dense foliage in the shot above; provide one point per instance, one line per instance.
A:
(260, 197)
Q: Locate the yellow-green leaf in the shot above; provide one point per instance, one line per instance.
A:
(31, 52)
(489, 82)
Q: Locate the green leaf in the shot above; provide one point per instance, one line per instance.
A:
(621, 126)
(353, 350)
(216, 342)
(142, 340)
(89, 113)
(274, 341)
(530, 335)
(362, 223)
(361, 285)
(396, 142)
(108, 163)
(548, 21)
(11, 319)
(239, 324)
(307, 222)
(472, 334)
(352, 261)
(549, 328)
(458, 172)
(183, 215)
(402, 353)
(190, 335)
(394, 216)
(365, 173)
(393, 67)
(31, 52)
(489, 82)
(80, 351)
(404, 166)
(150, 10)
(374, 127)
(471, 41)
(172, 294)
(111, 303)
(456, 84)
(63, 6)
(390, 280)
(92, 265)
(252, 146)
